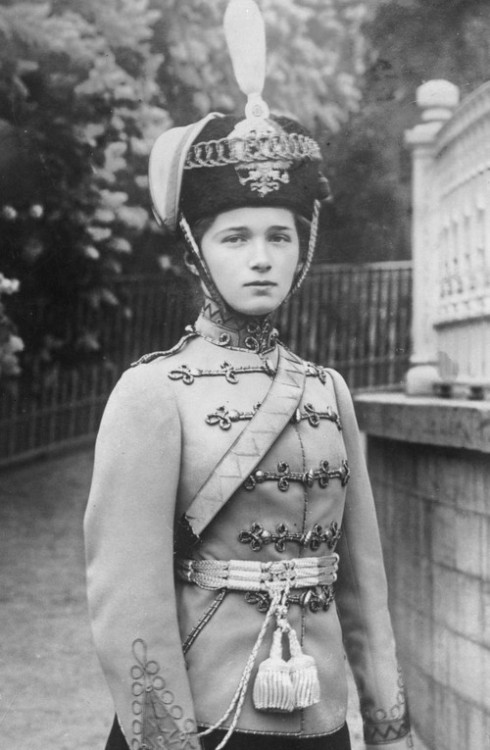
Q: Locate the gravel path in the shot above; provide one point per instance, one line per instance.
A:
(52, 693)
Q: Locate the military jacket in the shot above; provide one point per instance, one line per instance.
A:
(174, 652)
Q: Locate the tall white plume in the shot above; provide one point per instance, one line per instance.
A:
(245, 36)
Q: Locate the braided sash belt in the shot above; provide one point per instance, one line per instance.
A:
(252, 575)
(280, 685)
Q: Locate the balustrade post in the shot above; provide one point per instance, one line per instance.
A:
(437, 99)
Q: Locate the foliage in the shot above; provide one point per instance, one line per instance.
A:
(79, 111)
(314, 55)
(10, 343)
(85, 87)
(439, 40)
(410, 41)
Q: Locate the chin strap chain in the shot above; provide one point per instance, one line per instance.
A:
(315, 220)
(200, 263)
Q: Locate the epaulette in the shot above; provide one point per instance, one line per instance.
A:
(147, 358)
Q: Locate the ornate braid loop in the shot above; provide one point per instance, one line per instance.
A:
(258, 537)
(316, 599)
(224, 417)
(188, 374)
(313, 416)
(316, 371)
(284, 476)
(291, 147)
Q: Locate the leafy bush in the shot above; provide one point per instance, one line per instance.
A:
(10, 343)
(79, 109)
(85, 88)
(409, 42)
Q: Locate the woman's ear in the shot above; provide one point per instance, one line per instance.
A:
(189, 263)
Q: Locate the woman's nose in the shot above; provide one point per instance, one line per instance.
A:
(260, 258)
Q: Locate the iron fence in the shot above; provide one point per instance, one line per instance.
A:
(353, 318)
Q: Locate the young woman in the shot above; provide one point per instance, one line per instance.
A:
(232, 545)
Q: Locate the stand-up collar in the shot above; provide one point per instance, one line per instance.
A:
(235, 331)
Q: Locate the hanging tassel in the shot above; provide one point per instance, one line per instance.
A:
(303, 674)
(273, 689)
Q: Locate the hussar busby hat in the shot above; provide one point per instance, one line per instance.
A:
(222, 162)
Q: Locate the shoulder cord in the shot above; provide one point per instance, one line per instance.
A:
(151, 356)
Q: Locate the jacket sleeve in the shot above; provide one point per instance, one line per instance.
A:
(362, 600)
(129, 549)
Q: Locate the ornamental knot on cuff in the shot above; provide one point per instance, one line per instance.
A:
(156, 715)
(383, 725)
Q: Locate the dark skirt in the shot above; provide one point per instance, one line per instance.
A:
(242, 741)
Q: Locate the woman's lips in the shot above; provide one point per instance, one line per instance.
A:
(261, 283)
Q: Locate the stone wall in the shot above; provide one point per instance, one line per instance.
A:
(430, 467)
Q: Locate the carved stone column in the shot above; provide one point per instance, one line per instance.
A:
(437, 100)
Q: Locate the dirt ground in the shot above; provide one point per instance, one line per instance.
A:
(52, 693)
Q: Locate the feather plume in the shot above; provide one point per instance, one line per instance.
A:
(245, 36)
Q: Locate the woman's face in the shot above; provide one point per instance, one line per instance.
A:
(252, 255)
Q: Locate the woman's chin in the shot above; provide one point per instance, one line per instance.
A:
(255, 310)
(257, 306)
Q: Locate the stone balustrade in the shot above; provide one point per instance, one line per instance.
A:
(451, 237)
(429, 457)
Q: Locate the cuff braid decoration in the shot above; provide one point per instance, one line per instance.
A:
(156, 714)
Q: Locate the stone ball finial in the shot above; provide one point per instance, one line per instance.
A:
(437, 99)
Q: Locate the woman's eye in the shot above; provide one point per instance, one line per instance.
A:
(234, 239)
(280, 238)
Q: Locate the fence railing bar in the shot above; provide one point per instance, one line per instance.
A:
(353, 318)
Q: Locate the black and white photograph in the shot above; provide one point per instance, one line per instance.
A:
(245, 374)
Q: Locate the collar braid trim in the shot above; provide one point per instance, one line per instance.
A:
(256, 335)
